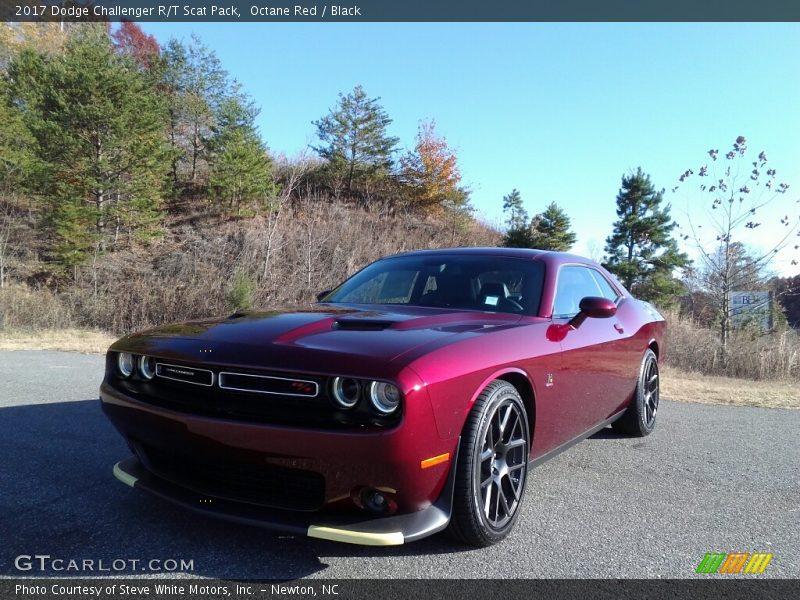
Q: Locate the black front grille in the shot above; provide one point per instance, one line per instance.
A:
(268, 397)
(268, 384)
(261, 484)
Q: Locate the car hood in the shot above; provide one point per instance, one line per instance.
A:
(308, 338)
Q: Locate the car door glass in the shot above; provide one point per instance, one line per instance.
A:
(606, 291)
(574, 284)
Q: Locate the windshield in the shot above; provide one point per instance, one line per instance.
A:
(486, 283)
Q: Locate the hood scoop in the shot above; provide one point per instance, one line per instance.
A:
(357, 324)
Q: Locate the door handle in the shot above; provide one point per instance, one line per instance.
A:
(619, 328)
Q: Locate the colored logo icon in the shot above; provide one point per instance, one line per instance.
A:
(734, 563)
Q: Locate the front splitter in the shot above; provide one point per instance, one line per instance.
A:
(378, 531)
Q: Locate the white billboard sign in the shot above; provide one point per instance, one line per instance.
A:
(751, 307)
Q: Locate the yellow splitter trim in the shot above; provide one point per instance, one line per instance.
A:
(335, 534)
(394, 538)
(364, 538)
(123, 476)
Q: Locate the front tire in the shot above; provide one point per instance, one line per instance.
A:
(492, 467)
(640, 418)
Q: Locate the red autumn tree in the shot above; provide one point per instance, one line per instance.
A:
(130, 40)
(431, 171)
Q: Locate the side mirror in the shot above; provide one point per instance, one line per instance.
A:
(322, 294)
(598, 308)
(594, 307)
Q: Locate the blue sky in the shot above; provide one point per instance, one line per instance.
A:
(558, 111)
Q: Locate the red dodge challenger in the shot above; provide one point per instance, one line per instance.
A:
(411, 399)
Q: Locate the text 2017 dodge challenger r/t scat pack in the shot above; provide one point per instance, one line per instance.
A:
(412, 398)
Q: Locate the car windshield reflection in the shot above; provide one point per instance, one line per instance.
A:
(493, 284)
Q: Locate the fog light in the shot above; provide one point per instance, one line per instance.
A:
(374, 501)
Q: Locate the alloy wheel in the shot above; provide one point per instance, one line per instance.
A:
(650, 388)
(500, 468)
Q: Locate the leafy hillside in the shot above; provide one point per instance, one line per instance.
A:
(135, 188)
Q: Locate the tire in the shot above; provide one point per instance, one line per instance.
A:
(492, 458)
(640, 418)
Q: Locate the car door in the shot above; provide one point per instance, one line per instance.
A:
(628, 346)
(592, 378)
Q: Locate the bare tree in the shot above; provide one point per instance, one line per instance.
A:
(316, 233)
(292, 173)
(742, 195)
(594, 250)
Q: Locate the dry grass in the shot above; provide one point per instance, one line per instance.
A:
(214, 266)
(685, 386)
(67, 340)
(750, 354)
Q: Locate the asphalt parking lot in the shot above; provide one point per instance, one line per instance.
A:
(710, 479)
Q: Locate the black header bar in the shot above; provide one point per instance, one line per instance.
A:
(111, 588)
(277, 11)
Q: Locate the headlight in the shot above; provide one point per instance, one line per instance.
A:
(125, 364)
(346, 391)
(385, 397)
(147, 367)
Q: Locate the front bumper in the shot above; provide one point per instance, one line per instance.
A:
(381, 531)
(402, 462)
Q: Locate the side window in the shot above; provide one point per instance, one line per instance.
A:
(574, 284)
(605, 288)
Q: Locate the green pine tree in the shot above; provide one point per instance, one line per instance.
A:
(551, 230)
(241, 170)
(354, 138)
(642, 252)
(518, 232)
(513, 207)
(99, 138)
(195, 87)
(17, 159)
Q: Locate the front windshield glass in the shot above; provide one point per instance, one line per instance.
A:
(466, 282)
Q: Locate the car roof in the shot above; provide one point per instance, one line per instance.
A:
(551, 258)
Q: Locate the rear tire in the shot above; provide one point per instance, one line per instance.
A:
(492, 467)
(640, 418)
